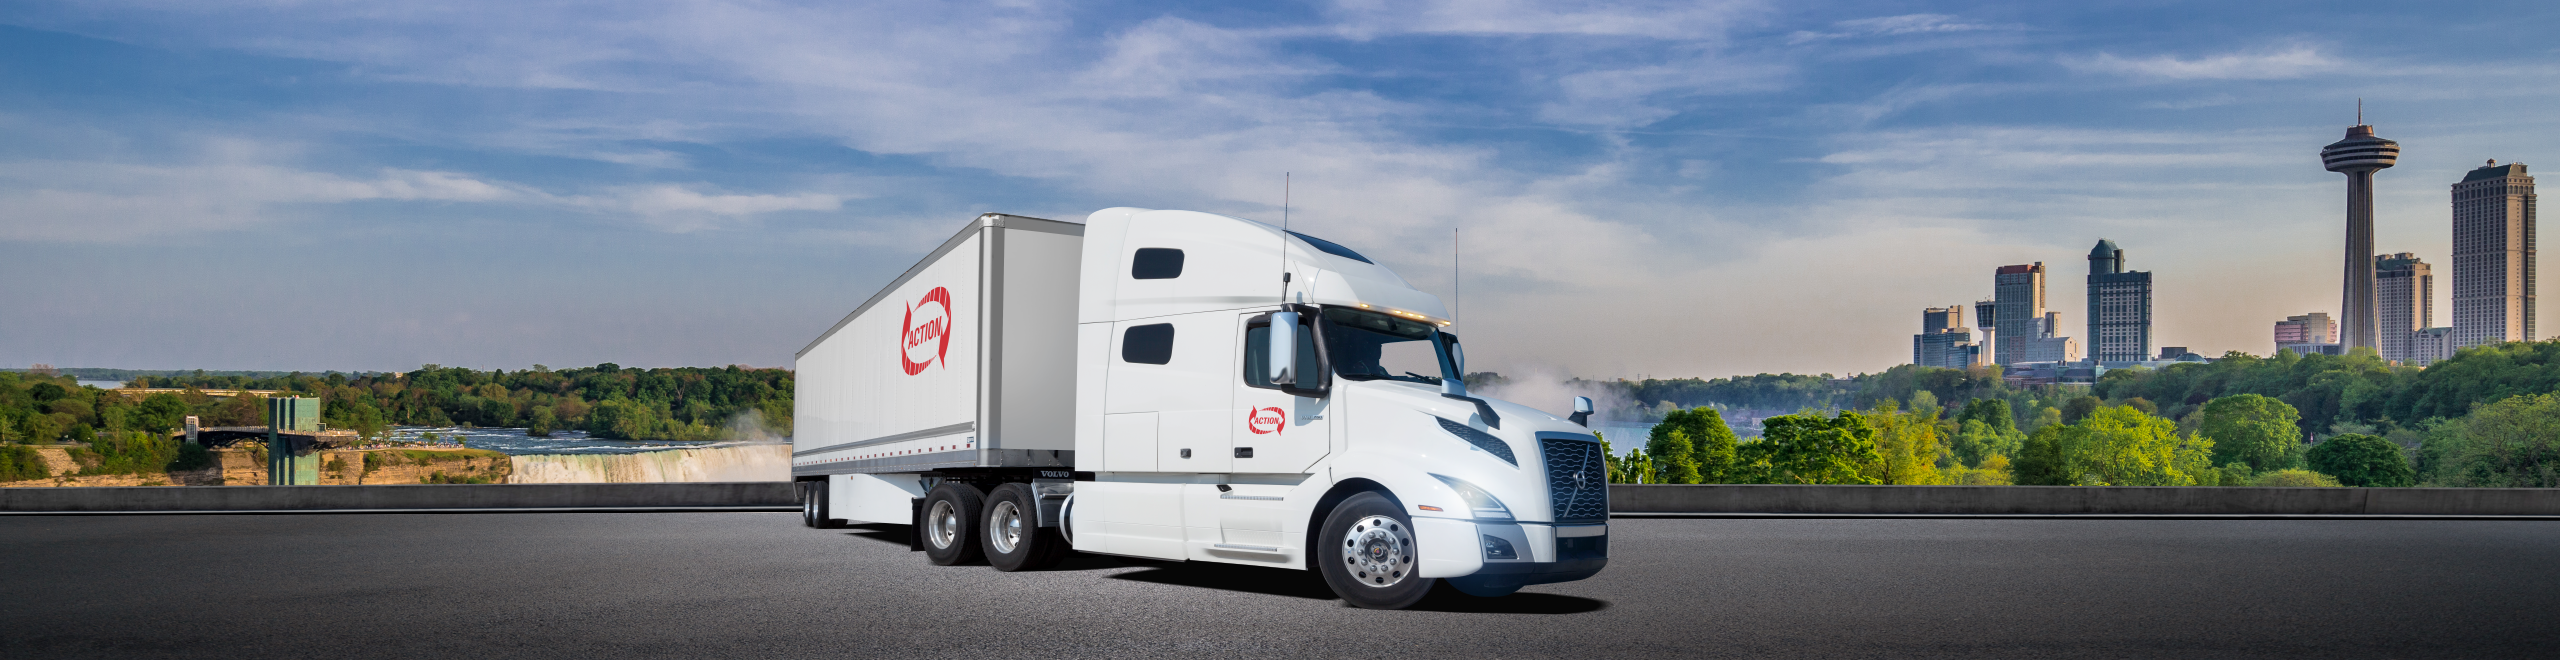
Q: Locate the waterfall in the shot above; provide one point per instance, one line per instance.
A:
(756, 462)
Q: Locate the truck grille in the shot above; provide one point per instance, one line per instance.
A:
(1577, 479)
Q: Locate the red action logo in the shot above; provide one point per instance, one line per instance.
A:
(922, 344)
(1263, 421)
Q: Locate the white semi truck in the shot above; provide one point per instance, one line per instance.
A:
(1186, 386)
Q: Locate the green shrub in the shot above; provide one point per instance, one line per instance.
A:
(2362, 460)
(2295, 478)
(126, 453)
(21, 462)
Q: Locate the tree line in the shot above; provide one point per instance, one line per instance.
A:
(608, 401)
(2487, 417)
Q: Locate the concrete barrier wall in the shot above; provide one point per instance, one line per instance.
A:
(442, 496)
(2076, 500)
(1649, 499)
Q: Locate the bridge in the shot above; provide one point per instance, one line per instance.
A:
(224, 436)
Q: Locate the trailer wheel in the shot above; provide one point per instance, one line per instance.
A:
(1367, 555)
(951, 516)
(1014, 539)
(808, 504)
(813, 506)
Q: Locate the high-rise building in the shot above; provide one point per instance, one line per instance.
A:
(2404, 302)
(2493, 256)
(2018, 295)
(2359, 156)
(1943, 340)
(2119, 308)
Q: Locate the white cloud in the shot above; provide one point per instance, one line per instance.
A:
(108, 202)
(681, 209)
(1693, 19)
(88, 201)
(1892, 26)
(2277, 63)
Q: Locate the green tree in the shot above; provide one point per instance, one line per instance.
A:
(1992, 413)
(2361, 460)
(2079, 407)
(1908, 444)
(1674, 457)
(161, 412)
(1807, 448)
(2125, 447)
(544, 421)
(2514, 443)
(1711, 442)
(2247, 428)
(2051, 456)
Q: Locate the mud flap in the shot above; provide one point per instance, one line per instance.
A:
(915, 525)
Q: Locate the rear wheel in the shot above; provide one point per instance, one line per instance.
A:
(951, 515)
(813, 506)
(1367, 554)
(1015, 541)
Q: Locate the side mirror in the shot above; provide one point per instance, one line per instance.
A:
(1582, 410)
(1284, 348)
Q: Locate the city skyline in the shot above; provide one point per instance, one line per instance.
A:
(681, 183)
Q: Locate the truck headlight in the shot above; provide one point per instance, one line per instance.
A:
(1481, 503)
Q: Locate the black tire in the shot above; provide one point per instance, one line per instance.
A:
(808, 502)
(814, 510)
(950, 527)
(1367, 554)
(1014, 539)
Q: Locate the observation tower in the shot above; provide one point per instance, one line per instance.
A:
(2359, 156)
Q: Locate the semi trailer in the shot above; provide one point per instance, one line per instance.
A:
(1185, 386)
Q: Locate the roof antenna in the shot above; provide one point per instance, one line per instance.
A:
(2359, 112)
(1284, 238)
(1456, 295)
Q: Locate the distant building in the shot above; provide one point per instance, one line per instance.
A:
(2052, 373)
(2428, 346)
(2312, 328)
(1986, 313)
(2493, 255)
(2119, 308)
(2404, 301)
(2026, 330)
(2331, 348)
(1943, 340)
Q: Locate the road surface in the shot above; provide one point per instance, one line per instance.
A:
(734, 585)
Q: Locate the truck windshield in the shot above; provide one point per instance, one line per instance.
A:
(1366, 345)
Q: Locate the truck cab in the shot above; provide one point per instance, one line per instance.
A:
(1248, 395)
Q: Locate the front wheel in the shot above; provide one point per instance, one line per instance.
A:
(1367, 554)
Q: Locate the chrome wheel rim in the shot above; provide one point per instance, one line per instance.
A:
(943, 524)
(1378, 551)
(1006, 524)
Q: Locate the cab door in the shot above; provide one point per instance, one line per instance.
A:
(1277, 430)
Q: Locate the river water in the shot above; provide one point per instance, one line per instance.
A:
(572, 457)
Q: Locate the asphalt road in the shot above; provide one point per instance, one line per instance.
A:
(732, 585)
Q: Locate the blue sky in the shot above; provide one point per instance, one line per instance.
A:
(1666, 189)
